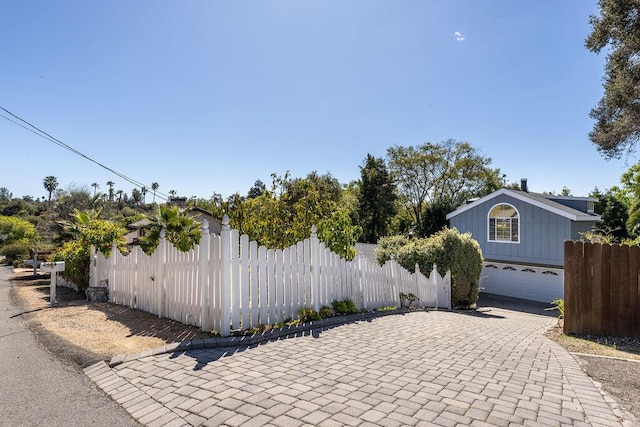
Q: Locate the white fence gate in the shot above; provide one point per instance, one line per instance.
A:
(227, 282)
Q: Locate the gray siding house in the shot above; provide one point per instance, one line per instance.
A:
(522, 236)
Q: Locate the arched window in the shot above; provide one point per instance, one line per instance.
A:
(503, 223)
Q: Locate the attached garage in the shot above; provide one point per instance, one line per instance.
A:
(521, 235)
(522, 281)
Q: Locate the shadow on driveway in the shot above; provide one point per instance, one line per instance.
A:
(488, 301)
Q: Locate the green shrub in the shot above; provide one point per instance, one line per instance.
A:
(344, 307)
(15, 251)
(450, 251)
(326, 312)
(76, 253)
(308, 314)
(388, 246)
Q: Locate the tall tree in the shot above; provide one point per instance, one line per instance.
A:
(446, 173)
(136, 196)
(95, 188)
(144, 190)
(376, 201)
(154, 187)
(257, 189)
(110, 184)
(50, 184)
(617, 115)
(614, 213)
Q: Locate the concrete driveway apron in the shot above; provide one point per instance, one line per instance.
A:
(422, 368)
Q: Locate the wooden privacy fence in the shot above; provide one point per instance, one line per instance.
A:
(227, 282)
(601, 291)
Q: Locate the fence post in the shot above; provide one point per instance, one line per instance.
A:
(363, 282)
(93, 270)
(225, 291)
(433, 277)
(203, 277)
(160, 277)
(315, 268)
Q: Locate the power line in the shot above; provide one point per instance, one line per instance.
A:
(37, 131)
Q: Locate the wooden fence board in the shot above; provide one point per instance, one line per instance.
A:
(602, 293)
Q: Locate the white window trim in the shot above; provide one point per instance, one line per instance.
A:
(489, 228)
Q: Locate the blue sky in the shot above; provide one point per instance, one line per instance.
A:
(206, 97)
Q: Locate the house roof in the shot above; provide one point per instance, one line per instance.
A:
(534, 199)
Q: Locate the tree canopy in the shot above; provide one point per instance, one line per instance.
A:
(617, 115)
(447, 173)
(376, 201)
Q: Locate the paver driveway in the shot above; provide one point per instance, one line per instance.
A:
(421, 368)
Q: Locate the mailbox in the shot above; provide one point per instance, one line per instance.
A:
(51, 267)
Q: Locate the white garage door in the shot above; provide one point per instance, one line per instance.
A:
(522, 281)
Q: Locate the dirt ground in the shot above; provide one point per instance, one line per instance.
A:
(84, 333)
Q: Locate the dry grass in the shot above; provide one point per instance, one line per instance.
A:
(625, 348)
(86, 332)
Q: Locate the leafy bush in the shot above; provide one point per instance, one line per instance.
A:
(15, 251)
(308, 314)
(388, 246)
(76, 253)
(450, 251)
(19, 236)
(344, 307)
(325, 312)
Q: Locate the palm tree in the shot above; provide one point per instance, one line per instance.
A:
(136, 195)
(182, 231)
(95, 188)
(154, 187)
(172, 195)
(111, 184)
(119, 194)
(143, 190)
(50, 184)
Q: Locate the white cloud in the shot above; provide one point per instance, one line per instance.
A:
(459, 36)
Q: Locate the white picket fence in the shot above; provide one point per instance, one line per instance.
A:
(227, 282)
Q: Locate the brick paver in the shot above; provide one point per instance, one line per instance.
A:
(421, 368)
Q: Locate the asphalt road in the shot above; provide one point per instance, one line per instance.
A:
(36, 389)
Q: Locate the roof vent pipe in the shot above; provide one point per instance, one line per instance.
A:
(523, 185)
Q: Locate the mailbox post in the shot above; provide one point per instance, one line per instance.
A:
(53, 268)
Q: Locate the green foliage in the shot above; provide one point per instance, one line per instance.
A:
(376, 199)
(326, 312)
(344, 307)
(449, 250)
(434, 218)
(15, 251)
(50, 184)
(617, 115)
(308, 314)
(390, 246)
(76, 253)
(449, 173)
(180, 230)
(614, 213)
(339, 235)
(558, 304)
(18, 236)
